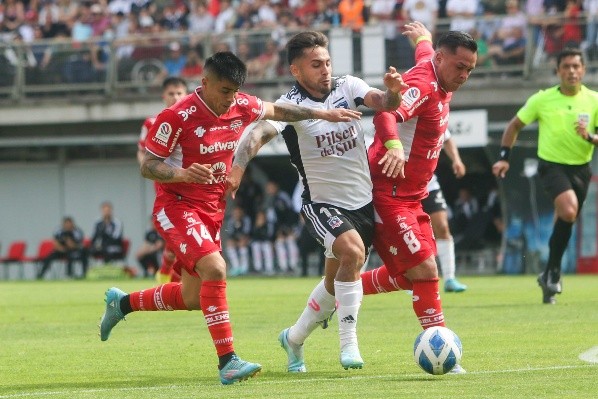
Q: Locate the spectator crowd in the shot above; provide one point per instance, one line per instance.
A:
(83, 35)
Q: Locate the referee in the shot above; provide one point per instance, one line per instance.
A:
(567, 116)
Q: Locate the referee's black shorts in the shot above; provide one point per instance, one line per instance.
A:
(558, 178)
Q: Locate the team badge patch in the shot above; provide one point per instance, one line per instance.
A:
(334, 222)
(411, 96)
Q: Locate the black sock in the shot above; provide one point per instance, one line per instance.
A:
(125, 305)
(222, 360)
(561, 233)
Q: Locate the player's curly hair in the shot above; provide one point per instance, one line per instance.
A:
(303, 40)
(226, 65)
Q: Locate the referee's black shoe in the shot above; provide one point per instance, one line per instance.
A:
(547, 293)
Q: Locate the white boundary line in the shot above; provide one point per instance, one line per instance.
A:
(590, 356)
(286, 381)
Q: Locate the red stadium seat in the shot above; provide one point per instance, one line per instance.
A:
(45, 248)
(14, 256)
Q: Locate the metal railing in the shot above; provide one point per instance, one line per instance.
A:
(134, 66)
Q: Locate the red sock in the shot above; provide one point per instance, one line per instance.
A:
(427, 304)
(163, 297)
(168, 259)
(212, 298)
(378, 280)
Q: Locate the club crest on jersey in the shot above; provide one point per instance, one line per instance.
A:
(235, 125)
(334, 222)
(341, 103)
(410, 96)
(200, 131)
(163, 134)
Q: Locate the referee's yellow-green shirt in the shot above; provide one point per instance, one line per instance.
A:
(557, 115)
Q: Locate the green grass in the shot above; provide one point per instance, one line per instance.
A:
(514, 347)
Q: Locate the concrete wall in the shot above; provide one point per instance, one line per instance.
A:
(35, 197)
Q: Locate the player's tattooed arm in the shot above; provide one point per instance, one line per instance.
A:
(294, 113)
(248, 148)
(251, 143)
(154, 168)
(390, 99)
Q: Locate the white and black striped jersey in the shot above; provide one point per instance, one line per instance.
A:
(330, 157)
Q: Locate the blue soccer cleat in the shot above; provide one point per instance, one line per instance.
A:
(238, 370)
(452, 285)
(350, 357)
(112, 315)
(296, 364)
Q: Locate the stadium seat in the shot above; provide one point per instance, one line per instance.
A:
(44, 249)
(14, 256)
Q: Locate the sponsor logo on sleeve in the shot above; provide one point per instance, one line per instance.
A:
(163, 134)
(176, 138)
(410, 97)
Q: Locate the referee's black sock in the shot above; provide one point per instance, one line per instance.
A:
(557, 245)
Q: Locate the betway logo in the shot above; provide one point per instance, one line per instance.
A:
(218, 146)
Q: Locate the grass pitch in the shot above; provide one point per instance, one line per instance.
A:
(514, 346)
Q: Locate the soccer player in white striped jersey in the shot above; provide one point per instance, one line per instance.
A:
(337, 198)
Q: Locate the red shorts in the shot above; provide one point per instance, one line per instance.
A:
(403, 237)
(188, 232)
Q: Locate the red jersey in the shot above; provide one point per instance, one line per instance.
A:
(422, 119)
(190, 132)
(147, 124)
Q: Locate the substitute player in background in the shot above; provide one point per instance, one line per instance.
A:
(567, 116)
(403, 237)
(189, 152)
(435, 206)
(173, 89)
(337, 197)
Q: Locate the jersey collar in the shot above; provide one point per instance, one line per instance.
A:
(304, 92)
(436, 76)
(202, 102)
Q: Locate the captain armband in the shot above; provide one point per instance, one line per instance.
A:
(504, 153)
(390, 144)
(422, 38)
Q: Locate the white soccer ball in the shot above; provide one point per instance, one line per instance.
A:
(437, 350)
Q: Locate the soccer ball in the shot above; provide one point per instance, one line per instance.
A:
(437, 350)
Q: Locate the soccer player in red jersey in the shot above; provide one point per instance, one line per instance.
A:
(189, 152)
(173, 89)
(403, 233)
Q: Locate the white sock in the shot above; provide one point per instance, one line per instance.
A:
(446, 256)
(281, 255)
(244, 259)
(268, 257)
(320, 306)
(233, 257)
(293, 252)
(348, 296)
(256, 255)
